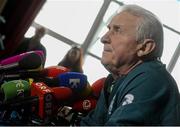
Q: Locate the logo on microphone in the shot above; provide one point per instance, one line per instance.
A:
(20, 90)
(48, 104)
(86, 104)
(74, 83)
(42, 87)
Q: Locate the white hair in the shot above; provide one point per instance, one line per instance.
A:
(149, 27)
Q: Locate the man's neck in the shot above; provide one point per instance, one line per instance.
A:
(126, 69)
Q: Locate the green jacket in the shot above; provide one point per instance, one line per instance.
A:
(148, 95)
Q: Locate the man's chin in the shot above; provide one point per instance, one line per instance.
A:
(106, 61)
(106, 64)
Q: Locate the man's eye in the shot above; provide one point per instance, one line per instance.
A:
(108, 28)
(117, 29)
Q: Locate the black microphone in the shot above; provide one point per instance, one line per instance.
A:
(29, 61)
(50, 72)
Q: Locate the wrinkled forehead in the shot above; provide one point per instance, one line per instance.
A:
(124, 18)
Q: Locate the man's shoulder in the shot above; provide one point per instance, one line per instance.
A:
(153, 73)
(150, 67)
(149, 71)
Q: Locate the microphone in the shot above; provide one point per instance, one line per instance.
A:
(63, 96)
(59, 94)
(16, 58)
(97, 87)
(21, 62)
(48, 96)
(45, 99)
(84, 93)
(77, 82)
(84, 106)
(42, 102)
(62, 93)
(52, 71)
(15, 89)
(41, 54)
(74, 80)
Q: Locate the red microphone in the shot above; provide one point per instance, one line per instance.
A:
(49, 97)
(85, 92)
(63, 96)
(62, 93)
(84, 106)
(45, 95)
(97, 86)
(54, 71)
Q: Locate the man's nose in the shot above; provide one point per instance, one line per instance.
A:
(105, 38)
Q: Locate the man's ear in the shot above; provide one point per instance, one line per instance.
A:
(146, 47)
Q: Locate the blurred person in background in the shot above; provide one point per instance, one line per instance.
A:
(73, 60)
(33, 43)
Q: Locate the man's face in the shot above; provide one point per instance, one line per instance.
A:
(120, 46)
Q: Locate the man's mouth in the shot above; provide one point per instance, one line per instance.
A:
(107, 49)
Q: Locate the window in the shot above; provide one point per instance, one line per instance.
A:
(73, 19)
(70, 18)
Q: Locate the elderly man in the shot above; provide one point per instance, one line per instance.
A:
(138, 90)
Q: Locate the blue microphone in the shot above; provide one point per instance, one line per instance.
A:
(74, 80)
